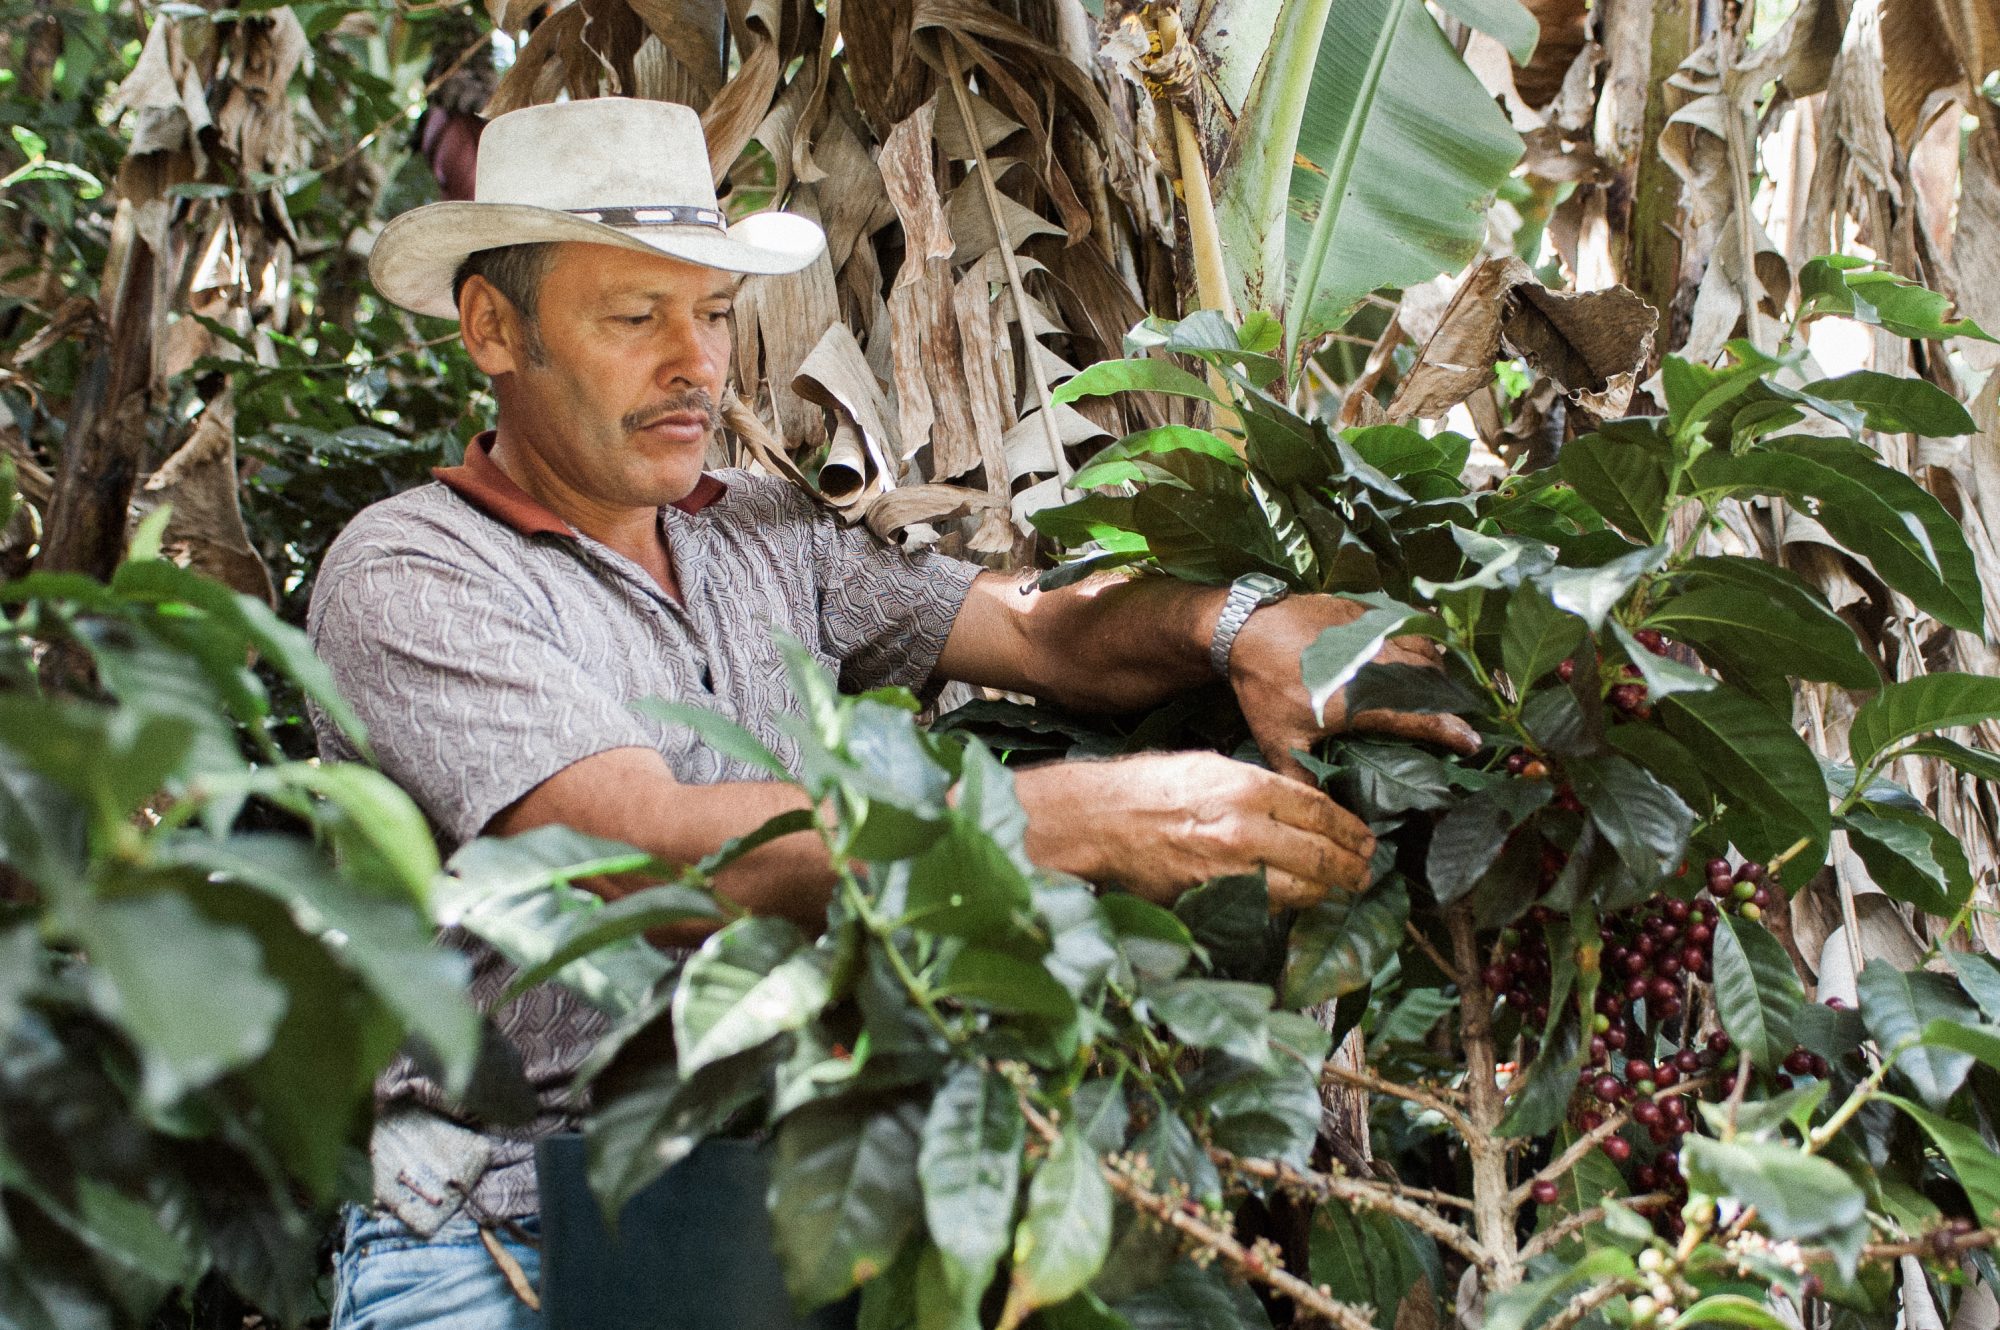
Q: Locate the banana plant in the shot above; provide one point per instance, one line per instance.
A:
(1357, 150)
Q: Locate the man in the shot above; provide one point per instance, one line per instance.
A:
(493, 630)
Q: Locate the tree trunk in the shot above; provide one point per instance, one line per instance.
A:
(107, 422)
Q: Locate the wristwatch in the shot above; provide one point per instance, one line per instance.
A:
(1247, 594)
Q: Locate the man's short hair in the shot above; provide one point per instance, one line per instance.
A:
(516, 272)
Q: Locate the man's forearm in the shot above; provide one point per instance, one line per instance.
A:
(627, 794)
(1109, 643)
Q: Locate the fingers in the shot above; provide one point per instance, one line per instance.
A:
(1305, 857)
(1289, 892)
(1305, 808)
(1449, 731)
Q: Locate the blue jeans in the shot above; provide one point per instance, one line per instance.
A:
(388, 1278)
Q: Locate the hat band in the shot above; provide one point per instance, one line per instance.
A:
(656, 214)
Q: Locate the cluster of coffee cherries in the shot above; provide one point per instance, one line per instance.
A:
(1628, 695)
(1649, 954)
(1745, 892)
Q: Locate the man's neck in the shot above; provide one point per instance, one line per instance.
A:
(632, 532)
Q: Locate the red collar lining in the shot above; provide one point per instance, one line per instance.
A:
(482, 483)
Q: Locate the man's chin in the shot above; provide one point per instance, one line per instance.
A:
(672, 478)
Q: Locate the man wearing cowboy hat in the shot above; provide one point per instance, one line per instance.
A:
(494, 629)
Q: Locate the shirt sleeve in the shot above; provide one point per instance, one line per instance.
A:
(469, 695)
(884, 613)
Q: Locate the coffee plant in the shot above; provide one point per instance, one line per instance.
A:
(207, 952)
(1596, 1089)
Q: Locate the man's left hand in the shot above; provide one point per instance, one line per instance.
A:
(1264, 670)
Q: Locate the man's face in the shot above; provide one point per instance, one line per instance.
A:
(624, 400)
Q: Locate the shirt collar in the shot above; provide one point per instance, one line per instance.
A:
(482, 483)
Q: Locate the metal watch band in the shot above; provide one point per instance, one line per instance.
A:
(1247, 594)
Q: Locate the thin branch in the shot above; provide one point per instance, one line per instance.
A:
(1563, 1163)
(1250, 1264)
(402, 113)
(1588, 1301)
(1861, 1094)
(1555, 1233)
(1367, 1195)
(1445, 967)
(1364, 1080)
(1927, 1246)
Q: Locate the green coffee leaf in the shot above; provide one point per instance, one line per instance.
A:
(1002, 981)
(1470, 837)
(1756, 761)
(1970, 1157)
(1141, 375)
(1912, 857)
(1895, 404)
(1371, 1259)
(191, 993)
(1756, 626)
(1339, 945)
(970, 1163)
(1623, 477)
(1898, 1006)
(1731, 1309)
(1153, 942)
(1877, 512)
(1215, 1013)
(391, 948)
(1337, 653)
(1797, 1195)
(719, 732)
(1644, 821)
(1592, 593)
(844, 1193)
(1063, 1238)
(1230, 919)
(1117, 464)
(1974, 762)
(1538, 636)
(750, 982)
(1980, 977)
(1928, 702)
(1857, 288)
(1757, 993)
(1663, 675)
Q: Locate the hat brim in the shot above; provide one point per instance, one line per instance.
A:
(418, 254)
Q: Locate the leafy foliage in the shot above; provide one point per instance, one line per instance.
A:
(210, 952)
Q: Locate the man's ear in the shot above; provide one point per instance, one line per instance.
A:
(491, 328)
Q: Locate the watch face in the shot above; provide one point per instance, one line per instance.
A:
(1266, 587)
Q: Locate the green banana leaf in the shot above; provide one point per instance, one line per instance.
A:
(1398, 152)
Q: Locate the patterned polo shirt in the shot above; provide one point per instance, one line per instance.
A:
(488, 645)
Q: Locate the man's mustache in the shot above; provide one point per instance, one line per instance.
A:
(694, 399)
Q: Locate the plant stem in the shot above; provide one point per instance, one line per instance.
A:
(1365, 1194)
(1548, 1238)
(1493, 1216)
(1437, 957)
(1250, 1264)
(1363, 1080)
(1588, 1301)
(1858, 1097)
(1590, 1140)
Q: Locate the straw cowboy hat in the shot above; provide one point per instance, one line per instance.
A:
(608, 171)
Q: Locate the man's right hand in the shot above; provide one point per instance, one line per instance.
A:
(1157, 824)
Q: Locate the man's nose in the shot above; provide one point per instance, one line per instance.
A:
(685, 354)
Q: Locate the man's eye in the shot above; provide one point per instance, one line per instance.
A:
(635, 320)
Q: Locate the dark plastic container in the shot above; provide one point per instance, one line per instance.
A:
(693, 1251)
